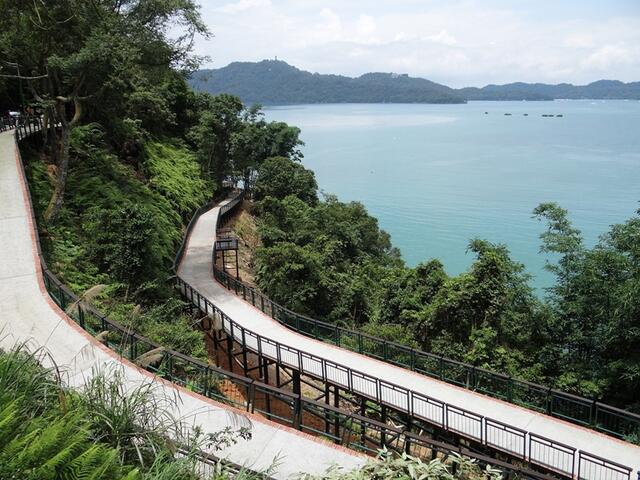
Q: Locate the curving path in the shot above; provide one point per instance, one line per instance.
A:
(27, 314)
(196, 270)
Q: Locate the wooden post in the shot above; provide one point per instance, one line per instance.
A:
(230, 352)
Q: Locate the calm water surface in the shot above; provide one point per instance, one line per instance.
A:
(437, 176)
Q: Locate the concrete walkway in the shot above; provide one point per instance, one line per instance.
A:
(196, 270)
(27, 314)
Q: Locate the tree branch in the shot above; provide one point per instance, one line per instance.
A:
(23, 77)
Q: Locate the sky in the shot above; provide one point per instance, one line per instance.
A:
(455, 42)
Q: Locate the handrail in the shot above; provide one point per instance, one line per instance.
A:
(64, 297)
(202, 378)
(531, 447)
(574, 408)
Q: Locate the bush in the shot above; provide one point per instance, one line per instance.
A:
(119, 242)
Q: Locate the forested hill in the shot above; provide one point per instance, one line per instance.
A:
(272, 82)
(602, 89)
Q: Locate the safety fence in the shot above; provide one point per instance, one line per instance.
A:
(285, 407)
(530, 447)
(200, 377)
(576, 409)
(24, 125)
(282, 406)
(116, 336)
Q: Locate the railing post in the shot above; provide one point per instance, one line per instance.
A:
(81, 316)
(592, 413)
(170, 366)
(244, 353)
(132, 347)
(63, 300)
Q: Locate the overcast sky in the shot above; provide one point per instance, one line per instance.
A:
(455, 42)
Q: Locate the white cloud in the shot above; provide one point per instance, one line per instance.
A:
(242, 5)
(366, 25)
(457, 42)
(443, 37)
(608, 56)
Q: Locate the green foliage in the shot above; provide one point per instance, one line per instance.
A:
(101, 432)
(317, 259)
(595, 302)
(138, 422)
(40, 437)
(232, 140)
(280, 177)
(389, 466)
(120, 241)
(167, 324)
(174, 173)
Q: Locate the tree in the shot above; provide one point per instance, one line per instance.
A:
(234, 140)
(120, 241)
(596, 301)
(280, 177)
(221, 117)
(80, 58)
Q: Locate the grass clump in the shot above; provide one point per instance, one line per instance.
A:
(106, 430)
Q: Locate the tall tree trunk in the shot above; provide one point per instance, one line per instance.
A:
(55, 203)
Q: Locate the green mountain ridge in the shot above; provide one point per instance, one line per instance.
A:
(274, 82)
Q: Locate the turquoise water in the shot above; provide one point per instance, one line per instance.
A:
(438, 175)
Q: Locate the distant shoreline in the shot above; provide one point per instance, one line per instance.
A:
(462, 103)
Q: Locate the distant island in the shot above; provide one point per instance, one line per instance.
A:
(274, 82)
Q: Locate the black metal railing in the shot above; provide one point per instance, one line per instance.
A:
(576, 409)
(533, 448)
(24, 125)
(202, 378)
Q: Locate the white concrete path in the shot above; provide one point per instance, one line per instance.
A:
(196, 270)
(27, 314)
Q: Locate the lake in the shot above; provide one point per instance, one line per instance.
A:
(437, 176)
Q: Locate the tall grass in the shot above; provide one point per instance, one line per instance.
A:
(103, 431)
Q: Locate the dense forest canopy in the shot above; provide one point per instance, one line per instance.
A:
(331, 261)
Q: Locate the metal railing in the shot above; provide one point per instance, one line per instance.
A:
(573, 408)
(532, 448)
(205, 379)
(23, 125)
